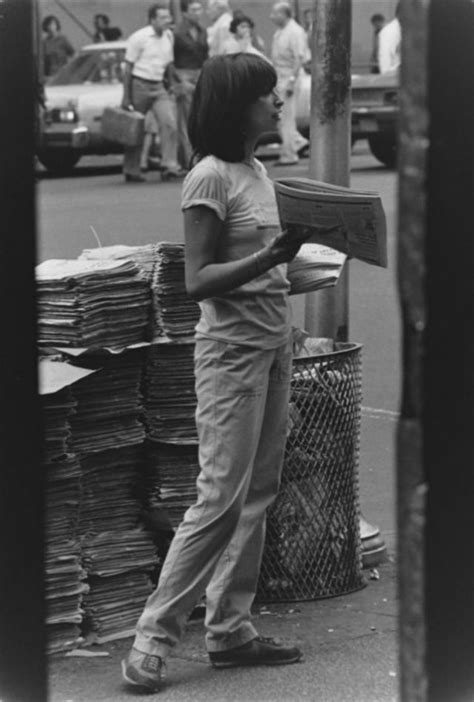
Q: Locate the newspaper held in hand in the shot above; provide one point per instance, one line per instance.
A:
(314, 267)
(350, 221)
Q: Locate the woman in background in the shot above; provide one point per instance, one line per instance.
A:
(57, 49)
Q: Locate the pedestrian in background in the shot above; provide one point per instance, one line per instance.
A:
(241, 36)
(236, 259)
(149, 51)
(103, 31)
(190, 52)
(290, 51)
(377, 21)
(257, 40)
(390, 40)
(57, 49)
(218, 31)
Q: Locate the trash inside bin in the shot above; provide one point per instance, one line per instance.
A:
(312, 548)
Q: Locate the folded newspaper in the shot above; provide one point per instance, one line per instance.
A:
(350, 221)
(314, 267)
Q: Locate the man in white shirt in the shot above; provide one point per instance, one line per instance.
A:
(289, 52)
(390, 39)
(218, 32)
(149, 51)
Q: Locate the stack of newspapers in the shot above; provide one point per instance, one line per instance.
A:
(64, 574)
(170, 479)
(91, 304)
(176, 314)
(169, 393)
(118, 564)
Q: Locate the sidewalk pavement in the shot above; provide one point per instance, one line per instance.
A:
(349, 642)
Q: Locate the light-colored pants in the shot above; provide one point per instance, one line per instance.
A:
(242, 418)
(290, 137)
(184, 98)
(153, 96)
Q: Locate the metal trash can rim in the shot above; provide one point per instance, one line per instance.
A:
(342, 348)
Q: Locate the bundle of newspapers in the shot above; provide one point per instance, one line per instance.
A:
(118, 564)
(91, 303)
(108, 403)
(169, 393)
(314, 267)
(176, 314)
(170, 479)
(347, 220)
(64, 575)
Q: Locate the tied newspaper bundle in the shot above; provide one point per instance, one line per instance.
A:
(347, 220)
(91, 304)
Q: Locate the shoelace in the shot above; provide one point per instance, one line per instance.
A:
(152, 664)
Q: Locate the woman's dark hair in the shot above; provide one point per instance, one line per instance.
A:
(47, 21)
(240, 19)
(227, 85)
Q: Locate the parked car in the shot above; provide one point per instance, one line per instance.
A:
(78, 94)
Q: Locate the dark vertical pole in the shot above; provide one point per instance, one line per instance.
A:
(412, 207)
(22, 658)
(327, 311)
(449, 368)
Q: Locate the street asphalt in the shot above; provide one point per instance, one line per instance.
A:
(349, 642)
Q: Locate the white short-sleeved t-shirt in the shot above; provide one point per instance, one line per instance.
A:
(257, 313)
(149, 53)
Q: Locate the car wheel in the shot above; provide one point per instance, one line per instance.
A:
(384, 148)
(59, 160)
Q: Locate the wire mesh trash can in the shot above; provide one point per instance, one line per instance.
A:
(312, 548)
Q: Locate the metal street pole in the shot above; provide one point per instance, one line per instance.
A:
(327, 311)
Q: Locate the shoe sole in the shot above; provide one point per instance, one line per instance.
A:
(143, 686)
(249, 664)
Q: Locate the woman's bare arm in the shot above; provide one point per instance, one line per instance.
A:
(206, 278)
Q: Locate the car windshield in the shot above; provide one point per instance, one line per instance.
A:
(92, 67)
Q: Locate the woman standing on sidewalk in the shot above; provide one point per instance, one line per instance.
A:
(235, 267)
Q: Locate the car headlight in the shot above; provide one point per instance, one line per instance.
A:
(66, 115)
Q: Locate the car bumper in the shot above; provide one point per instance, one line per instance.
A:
(64, 136)
(366, 121)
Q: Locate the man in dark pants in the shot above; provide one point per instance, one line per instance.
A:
(149, 51)
(190, 52)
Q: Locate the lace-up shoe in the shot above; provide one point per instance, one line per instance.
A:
(259, 651)
(143, 670)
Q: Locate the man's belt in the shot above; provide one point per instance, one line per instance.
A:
(146, 80)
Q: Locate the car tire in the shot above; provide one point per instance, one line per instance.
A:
(384, 148)
(59, 160)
